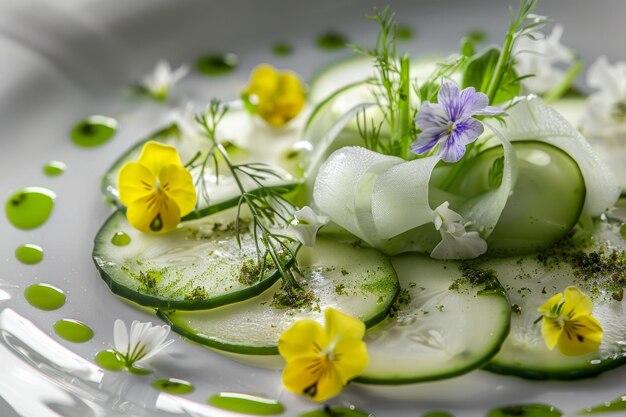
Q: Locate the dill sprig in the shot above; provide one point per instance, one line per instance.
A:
(391, 89)
(269, 210)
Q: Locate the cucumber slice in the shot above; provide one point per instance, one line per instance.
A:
(246, 141)
(360, 282)
(449, 326)
(197, 266)
(532, 280)
(546, 202)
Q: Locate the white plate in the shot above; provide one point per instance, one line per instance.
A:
(65, 60)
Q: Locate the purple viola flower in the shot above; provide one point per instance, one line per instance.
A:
(449, 122)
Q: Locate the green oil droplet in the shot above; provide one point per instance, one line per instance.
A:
(29, 254)
(44, 296)
(405, 33)
(93, 131)
(332, 41)
(282, 49)
(29, 207)
(54, 168)
(110, 360)
(173, 386)
(336, 412)
(525, 410)
(618, 404)
(120, 239)
(246, 404)
(217, 64)
(73, 330)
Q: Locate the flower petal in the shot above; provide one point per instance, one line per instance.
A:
(448, 99)
(135, 182)
(120, 337)
(467, 131)
(576, 303)
(155, 213)
(431, 116)
(177, 184)
(548, 309)
(155, 156)
(340, 325)
(350, 358)
(451, 150)
(303, 373)
(305, 338)
(429, 138)
(580, 336)
(551, 331)
(329, 384)
(469, 102)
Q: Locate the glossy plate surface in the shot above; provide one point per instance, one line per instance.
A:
(64, 60)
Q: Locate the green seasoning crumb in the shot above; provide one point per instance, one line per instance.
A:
(148, 280)
(282, 49)
(341, 289)
(344, 272)
(516, 309)
(197, 294)
(476, 276)
(294, 298)
(440, 307)
(402, 300)
(251, 272)
(332, 41)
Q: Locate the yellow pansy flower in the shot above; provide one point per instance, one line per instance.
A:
(322, 360)
(156, 189)
(568, 323)
(276, 96)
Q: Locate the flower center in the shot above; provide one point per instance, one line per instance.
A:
(451, 127)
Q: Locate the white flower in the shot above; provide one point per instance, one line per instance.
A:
(605, 116)
(144, 341)
(545, 57)
(159, 82)
(305, 225)
(456, 243)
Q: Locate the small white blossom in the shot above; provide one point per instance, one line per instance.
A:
(456, 242)
(143, 342)
(605, 116)
(545, 57)
(305, 225)
(159, 82)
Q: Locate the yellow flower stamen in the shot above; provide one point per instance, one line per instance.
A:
(276, 96)
(156, 189)
(322, 360)
(569, 325)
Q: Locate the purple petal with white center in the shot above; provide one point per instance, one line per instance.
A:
(469, 103)
(431, 115)
(448, 99)
(467, 131)
(428, 139)
(451, 150)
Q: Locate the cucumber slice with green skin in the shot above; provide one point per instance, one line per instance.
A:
(359, 282)
(197, 266)
(441, 332)
(246, 141)
(547, 199)
(532, 280)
